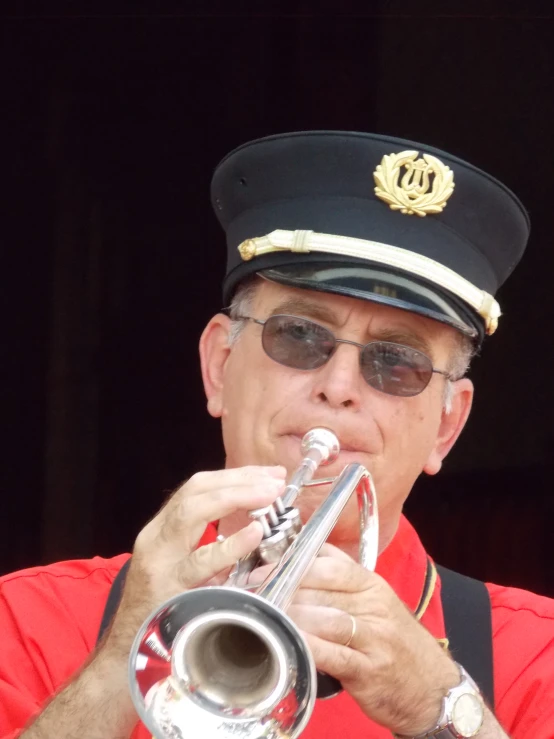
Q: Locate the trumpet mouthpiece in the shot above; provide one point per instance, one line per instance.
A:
(324, 441)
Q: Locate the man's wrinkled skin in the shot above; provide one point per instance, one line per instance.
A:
(393, 667)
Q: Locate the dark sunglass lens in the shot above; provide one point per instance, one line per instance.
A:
(395, 369)
(296, 342)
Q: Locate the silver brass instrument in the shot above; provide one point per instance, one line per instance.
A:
(225, 662)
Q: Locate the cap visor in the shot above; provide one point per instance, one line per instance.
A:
(387, 287)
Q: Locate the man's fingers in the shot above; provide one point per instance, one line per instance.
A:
(260, 574)
(327, 623)
(203, 482)
(191, 512)
(326, 598)
(330, 550)
(211, 483)
(219, 503)
(209, 560)
(338, 574)
(334, 659)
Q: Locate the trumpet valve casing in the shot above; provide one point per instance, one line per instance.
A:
(272, 548)
(291, 523)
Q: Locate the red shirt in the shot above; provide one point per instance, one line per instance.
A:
(50, 616)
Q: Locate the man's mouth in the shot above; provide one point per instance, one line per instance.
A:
(343, 445)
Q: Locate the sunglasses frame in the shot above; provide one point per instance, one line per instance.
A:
(337, 341)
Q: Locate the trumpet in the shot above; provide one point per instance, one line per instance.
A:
(226, 662)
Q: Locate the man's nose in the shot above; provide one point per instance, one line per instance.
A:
(339, 381)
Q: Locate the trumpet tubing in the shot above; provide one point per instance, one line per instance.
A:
(222, 661)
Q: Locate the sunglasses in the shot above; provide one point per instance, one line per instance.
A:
(391, 368)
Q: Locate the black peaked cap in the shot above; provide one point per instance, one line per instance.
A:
(464, 223)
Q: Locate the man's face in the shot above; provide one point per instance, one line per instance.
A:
(267, 408)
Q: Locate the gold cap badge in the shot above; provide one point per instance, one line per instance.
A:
(424, 187)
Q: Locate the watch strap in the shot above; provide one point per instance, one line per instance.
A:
(444, 728)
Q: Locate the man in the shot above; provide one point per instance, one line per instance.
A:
(361, 277)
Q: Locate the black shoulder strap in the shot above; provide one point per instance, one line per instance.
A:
(114, 597)
(467, 617)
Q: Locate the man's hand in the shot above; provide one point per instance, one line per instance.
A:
(393, 667)
(166, 560)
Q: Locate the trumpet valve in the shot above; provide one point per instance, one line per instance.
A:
(272, 548)
(267, 518)
(290, 523)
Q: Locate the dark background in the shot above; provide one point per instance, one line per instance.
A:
(112, 122)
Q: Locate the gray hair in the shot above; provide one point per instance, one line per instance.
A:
(241, 305)
(460, 358)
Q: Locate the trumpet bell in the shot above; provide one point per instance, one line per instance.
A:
(220, 663)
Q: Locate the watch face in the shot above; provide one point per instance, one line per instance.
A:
(467, 715)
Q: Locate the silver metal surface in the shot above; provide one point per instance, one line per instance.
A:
(320, 446)
(222, 663)
(320, 481)
(284, 581)
(236, 666)
(290, 523)
(272, 549)
(325, 441)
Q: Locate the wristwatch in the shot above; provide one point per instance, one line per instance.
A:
(462, 712)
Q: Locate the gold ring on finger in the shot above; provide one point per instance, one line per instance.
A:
(353, 632)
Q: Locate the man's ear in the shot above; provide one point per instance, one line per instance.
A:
(451, 424)
(214, 352)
